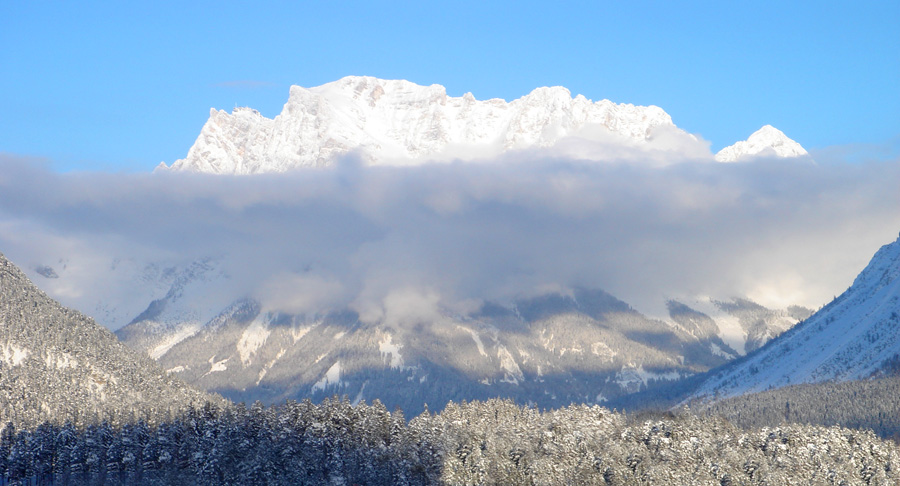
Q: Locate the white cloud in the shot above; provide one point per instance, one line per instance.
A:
(400, 242)
(300, 293)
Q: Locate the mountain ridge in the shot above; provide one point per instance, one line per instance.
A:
(553, 343)
(397, 122)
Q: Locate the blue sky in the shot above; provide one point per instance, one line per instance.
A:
(121, 86)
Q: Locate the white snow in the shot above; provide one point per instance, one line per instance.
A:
(848, 339)
(573, 350)
(716, 350)
(632, 375)
(508, 364)
(359, 396)
(12, 354)
(603, 350)
(401, 123)
(332, 377)
(547, 342)
(216, 365)
(252, 338)
(170, 340)
(386, 346)
(60, 361)
(297, 334)
(476, 338)
(339, 335)
(768, 140)
(265, 369)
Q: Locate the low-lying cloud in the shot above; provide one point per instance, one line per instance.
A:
(451, 236)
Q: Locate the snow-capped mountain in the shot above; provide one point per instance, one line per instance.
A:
(767, 141)
(855, 336)
(59, 365)
(551, 350)
(399, 122)
(565, 345)
(740, 324)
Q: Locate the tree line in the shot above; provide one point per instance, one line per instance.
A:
(492, 442)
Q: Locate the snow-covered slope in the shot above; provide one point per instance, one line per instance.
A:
(737, 326)
(549, 350)
(194, 297)
(767, 141)
(853, 337)
(59, 365)
(399, 122)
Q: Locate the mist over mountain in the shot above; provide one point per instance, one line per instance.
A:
(455, 235)
(545, 193)
(548, 350)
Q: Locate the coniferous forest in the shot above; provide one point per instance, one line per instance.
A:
(859, 404)
(493, 442)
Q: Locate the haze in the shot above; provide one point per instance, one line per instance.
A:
(447, 237)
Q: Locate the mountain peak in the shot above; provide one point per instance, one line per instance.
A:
(387, 121)
(768, 140)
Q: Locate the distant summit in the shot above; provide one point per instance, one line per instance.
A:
(396, 121)
(768, 140)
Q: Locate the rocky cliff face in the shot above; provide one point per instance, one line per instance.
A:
(398, 122)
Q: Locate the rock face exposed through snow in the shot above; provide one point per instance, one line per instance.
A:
(855, 336)
(399, 122)
(767, 141)
(549, 350)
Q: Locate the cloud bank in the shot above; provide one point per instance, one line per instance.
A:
(392, 240)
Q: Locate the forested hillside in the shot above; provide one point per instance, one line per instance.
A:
(58, 365)
(859, 404)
